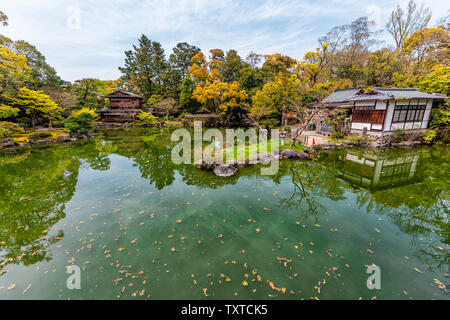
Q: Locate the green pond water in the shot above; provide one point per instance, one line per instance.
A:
(141, 227)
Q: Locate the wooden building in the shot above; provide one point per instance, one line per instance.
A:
(380, 111)
(123, 107)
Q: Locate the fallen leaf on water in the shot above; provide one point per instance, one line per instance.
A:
(417, 270)
(244, 283)
(12, 286)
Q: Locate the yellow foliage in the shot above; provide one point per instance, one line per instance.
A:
(85, 110)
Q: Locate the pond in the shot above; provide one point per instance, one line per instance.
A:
(140, 227)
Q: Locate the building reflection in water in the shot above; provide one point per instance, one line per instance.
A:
(378, 170)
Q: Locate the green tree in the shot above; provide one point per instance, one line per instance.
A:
(181, 58)
(231, 66)
(88, 93)
(187, 103)
(144, 67)
(79, 124)
(380, 68)
(43, 75)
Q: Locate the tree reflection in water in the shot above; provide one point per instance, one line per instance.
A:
(408, 186)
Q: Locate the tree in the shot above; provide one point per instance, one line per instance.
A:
(147, 118)
(275, 64)
(187, 103)
(314, 62)
(231, 65)
(253, 59)
(3, 19)
(167, 107)
(35, 103)
(380, 68)
(428, 45)
(66, 100)
(88, 93)
(14, 71)
(42, 74)
(251, 79)
(181, 58)
(401, 25)
(278, 97)
(80, 123)
(144, 67)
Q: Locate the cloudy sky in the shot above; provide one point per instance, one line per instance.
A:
(87, 38)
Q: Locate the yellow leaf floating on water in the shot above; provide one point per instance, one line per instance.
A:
(179, 221)
(12, 286)
(244, 283)
(417, 270)
(121, 249)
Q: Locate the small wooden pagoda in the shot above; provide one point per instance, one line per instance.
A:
(123, 107)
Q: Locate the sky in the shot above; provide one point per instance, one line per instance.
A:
(87, 38)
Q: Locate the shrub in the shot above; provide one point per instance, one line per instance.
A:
(338, 135)
(13, 127)
(90, 111)
(360, 140)
(398, 136)
(80, 123)
(288, 129)
(429, 136)
(147, 118)
(39, 135)
(5, 133)
(269, 123)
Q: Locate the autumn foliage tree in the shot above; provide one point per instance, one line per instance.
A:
(35, 103)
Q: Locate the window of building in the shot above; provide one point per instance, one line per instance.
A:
(409, 113)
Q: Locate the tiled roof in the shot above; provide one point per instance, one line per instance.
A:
(395, 93)
(341, 95)
(123, 91)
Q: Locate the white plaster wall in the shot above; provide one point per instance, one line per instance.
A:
(377, 126)
(360, 125)
(381, 105)
(389, 115)
(427, 114)
(365, 103)
(354, 158)
(402, 102)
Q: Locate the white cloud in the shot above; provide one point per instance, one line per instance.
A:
(109, 27)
